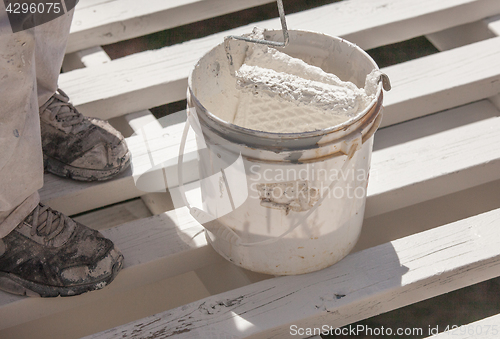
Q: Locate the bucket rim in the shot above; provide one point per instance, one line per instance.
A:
(294, 135)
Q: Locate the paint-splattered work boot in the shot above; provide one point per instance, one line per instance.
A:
(78, 147)
(49, 254)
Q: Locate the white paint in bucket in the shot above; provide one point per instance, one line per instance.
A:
(306, 191)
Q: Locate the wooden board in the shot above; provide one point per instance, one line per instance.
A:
(154, 248)
(430, 160)
(404, 170)
(375, 232)
(98, 23)
(75, 197)
(364, 284)
(441, 81)
(85, 58)
(110, 309)
(460, 35)
(420, 86)
(427, 158)
(369, 23)
(465, 34)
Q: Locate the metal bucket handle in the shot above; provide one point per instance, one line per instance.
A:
(211, 223)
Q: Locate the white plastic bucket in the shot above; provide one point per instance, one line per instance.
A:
(281, 203)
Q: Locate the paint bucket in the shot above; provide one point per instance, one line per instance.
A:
(281, 203)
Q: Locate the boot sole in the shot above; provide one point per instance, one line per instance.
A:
(16, 285)
(58, 168)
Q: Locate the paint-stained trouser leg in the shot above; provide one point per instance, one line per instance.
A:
(30, 61)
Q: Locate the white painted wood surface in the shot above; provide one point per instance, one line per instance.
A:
(148, 151)
(442, 81)
(85, 58)
(431, 165)
(426, 158)
(144, 123)
(104, 22)
(415, 163)
(364, 284)
(154, 248)
(465, 34)
(154, 78)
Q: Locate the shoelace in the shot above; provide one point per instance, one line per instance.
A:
(46, 222)
(61, 109)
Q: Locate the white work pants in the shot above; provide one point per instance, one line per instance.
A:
(30, 62)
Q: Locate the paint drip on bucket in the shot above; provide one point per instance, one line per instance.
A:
(282, 132)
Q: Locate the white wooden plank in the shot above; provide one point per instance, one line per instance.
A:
(72, 197)
(428, 214)
(493, 24)
(106, 22)
(363, 284)
(356, 20)
(485, 328)
(89, 58)
(154, 248)
(110, 310)
(145, 123)
(158, 202)
(380, 280)
(372, 24)
(225, 276)
(89, 3)
(455, 154)
(444, 80)
(215, 284)
(85, 58)
(444, 157)
(460, 35)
